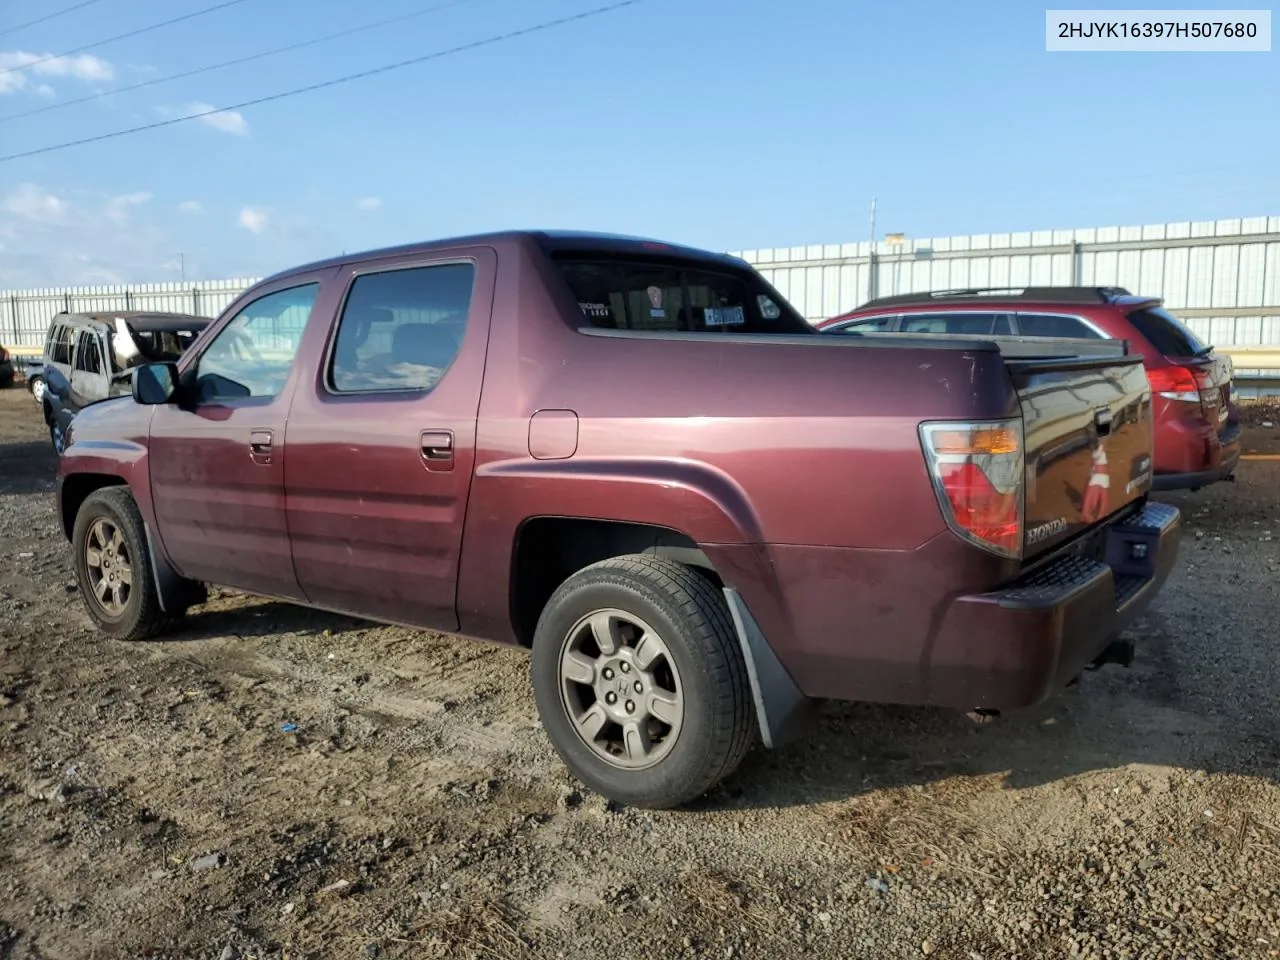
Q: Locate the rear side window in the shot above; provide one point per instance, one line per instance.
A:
(676, 296)
(1167, 333)
(1055, 325)
(88, 357)
(401, 329)
(972, 324)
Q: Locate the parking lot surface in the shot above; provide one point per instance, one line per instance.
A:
(274, 783)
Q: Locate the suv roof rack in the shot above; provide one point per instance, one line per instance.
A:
(978, 294)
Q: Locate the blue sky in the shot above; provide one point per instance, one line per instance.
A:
(728, 124)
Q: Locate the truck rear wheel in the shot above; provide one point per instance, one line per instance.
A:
(113, 567)
(640, 681)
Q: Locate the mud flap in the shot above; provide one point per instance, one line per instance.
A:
(176, 594)
(781, 708)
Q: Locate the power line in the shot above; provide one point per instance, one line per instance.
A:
(123, 36)
(488, 41)
(232, 63)
(48, 16)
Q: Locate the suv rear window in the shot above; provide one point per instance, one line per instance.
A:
(674, 295)
(1167, 333)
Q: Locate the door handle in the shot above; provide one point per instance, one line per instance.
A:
(260, 443)
(436, 447)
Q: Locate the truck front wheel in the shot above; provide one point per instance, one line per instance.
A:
(640, 681)
(113, 567)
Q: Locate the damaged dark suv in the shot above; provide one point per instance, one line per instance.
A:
(90, 357)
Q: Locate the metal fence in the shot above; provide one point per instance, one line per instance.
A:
(1222, 277)
(25, 314)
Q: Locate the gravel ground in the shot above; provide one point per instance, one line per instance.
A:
(278, 783)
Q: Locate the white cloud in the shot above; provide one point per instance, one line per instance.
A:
(253, 219)
(191, 207)
(22, 66)
(230, 121)
(369, 203)
(29, 202)
(50, 239)
(118, 207)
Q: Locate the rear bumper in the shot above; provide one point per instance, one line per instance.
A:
(1192, 453)
(1221, 459)
(922, 628)
(1015, 646)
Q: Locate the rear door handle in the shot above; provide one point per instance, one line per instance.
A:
(436, 447)
(260, 443)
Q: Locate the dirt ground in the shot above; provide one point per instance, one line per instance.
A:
(275, 783)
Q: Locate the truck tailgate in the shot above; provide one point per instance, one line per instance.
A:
(1088, 442)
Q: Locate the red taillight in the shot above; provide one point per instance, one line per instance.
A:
(1175, 383)
(977, 471)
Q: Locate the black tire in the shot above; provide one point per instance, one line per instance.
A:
(719, 724)
(56, 435)
(142, 616)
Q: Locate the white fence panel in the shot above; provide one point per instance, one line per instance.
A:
(1222, 277)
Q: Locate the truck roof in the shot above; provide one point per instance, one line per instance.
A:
(550, 241)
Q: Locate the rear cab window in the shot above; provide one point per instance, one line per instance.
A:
(1167, 333)
(624, 291)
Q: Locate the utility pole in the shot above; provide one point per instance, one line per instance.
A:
(182, 266)
(871, 255)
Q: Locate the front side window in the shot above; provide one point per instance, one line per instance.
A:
(673, 295)
(869, 325)
(252, 355)
(62, 346)
(159, 345)
(401, 329)
(1053, 325)
(88, 357)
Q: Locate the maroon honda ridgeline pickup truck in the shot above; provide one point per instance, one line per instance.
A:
(639, 461)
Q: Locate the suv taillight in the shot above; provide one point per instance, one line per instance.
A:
(977, 472)
(1180, 383)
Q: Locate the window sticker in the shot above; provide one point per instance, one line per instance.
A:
(724, 316)
(594, 310)
(655, 299)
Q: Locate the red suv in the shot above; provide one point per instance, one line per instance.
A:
(1197, 427)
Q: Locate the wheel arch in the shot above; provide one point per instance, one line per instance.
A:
(175, 592)
(76, 488)
(550, 549)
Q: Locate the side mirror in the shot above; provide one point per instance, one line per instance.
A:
(155, 383)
